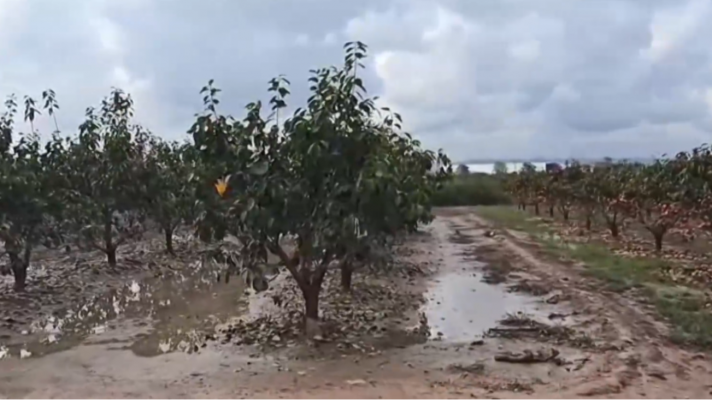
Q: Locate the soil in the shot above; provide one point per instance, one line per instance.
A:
(466, 311)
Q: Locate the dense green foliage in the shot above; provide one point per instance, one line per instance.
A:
(329, 186)
(473, 189)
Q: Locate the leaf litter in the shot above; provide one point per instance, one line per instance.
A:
(72, 297)
(377, 310)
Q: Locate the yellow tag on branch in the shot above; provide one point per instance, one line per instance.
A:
(221, 186)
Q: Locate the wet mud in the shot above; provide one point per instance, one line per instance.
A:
(465, 311)
(169, 311)
(464, 302)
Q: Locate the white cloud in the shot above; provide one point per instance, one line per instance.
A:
(108, 35)
(671, 28)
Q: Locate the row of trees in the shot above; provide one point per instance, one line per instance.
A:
(667, 193)
(95, 189)
(498, 168)
(337, 177)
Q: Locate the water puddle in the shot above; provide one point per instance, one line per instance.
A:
(460, 307)
(171, 312)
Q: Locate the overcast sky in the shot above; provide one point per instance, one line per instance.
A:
(479, 78)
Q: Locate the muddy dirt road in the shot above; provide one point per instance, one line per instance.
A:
(496, 321)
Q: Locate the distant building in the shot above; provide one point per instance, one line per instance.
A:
(553, 167)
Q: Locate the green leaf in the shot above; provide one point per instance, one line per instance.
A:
(259, 168)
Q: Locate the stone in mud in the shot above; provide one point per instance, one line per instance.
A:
(608, 387)
(355, 382)
(699, 356)
(557, 316)
(655, 373)
(528, 356)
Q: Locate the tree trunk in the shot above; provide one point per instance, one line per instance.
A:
(111, 255)
(168, 232)
(311, 302)
(658, 234)
(588, 222)
(658, 241)
(524, 207)
(536, 209)
(19, 271)
(551, 211)
(311, 312)
(309, 282)
(565, 213)
(346, 276)
(109, 247)
(613, 227)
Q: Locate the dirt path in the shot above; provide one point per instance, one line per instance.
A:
(548, 333)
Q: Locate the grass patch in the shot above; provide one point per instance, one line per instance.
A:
(686, 310)
(472, 190)
(619, 273)
(684, 307)
(509, 217)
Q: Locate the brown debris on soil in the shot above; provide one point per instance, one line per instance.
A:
(361, 320)
(688, 255)
(519, 327)
(372, 340)
(529, 357)
(460, 238)
(529, 287)
(58, 281)
(558, 329)
(474, 368)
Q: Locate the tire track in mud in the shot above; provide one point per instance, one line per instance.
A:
(633, 357)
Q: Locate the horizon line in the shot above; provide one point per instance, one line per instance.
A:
(545, 159)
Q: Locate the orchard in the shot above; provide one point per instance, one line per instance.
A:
(660, 196)
(325, 189)
(306, 234)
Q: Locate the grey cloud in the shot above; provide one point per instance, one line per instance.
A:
(601, 52)
(486, 78)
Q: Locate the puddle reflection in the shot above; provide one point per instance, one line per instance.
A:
(461, 307)
(171, 312)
